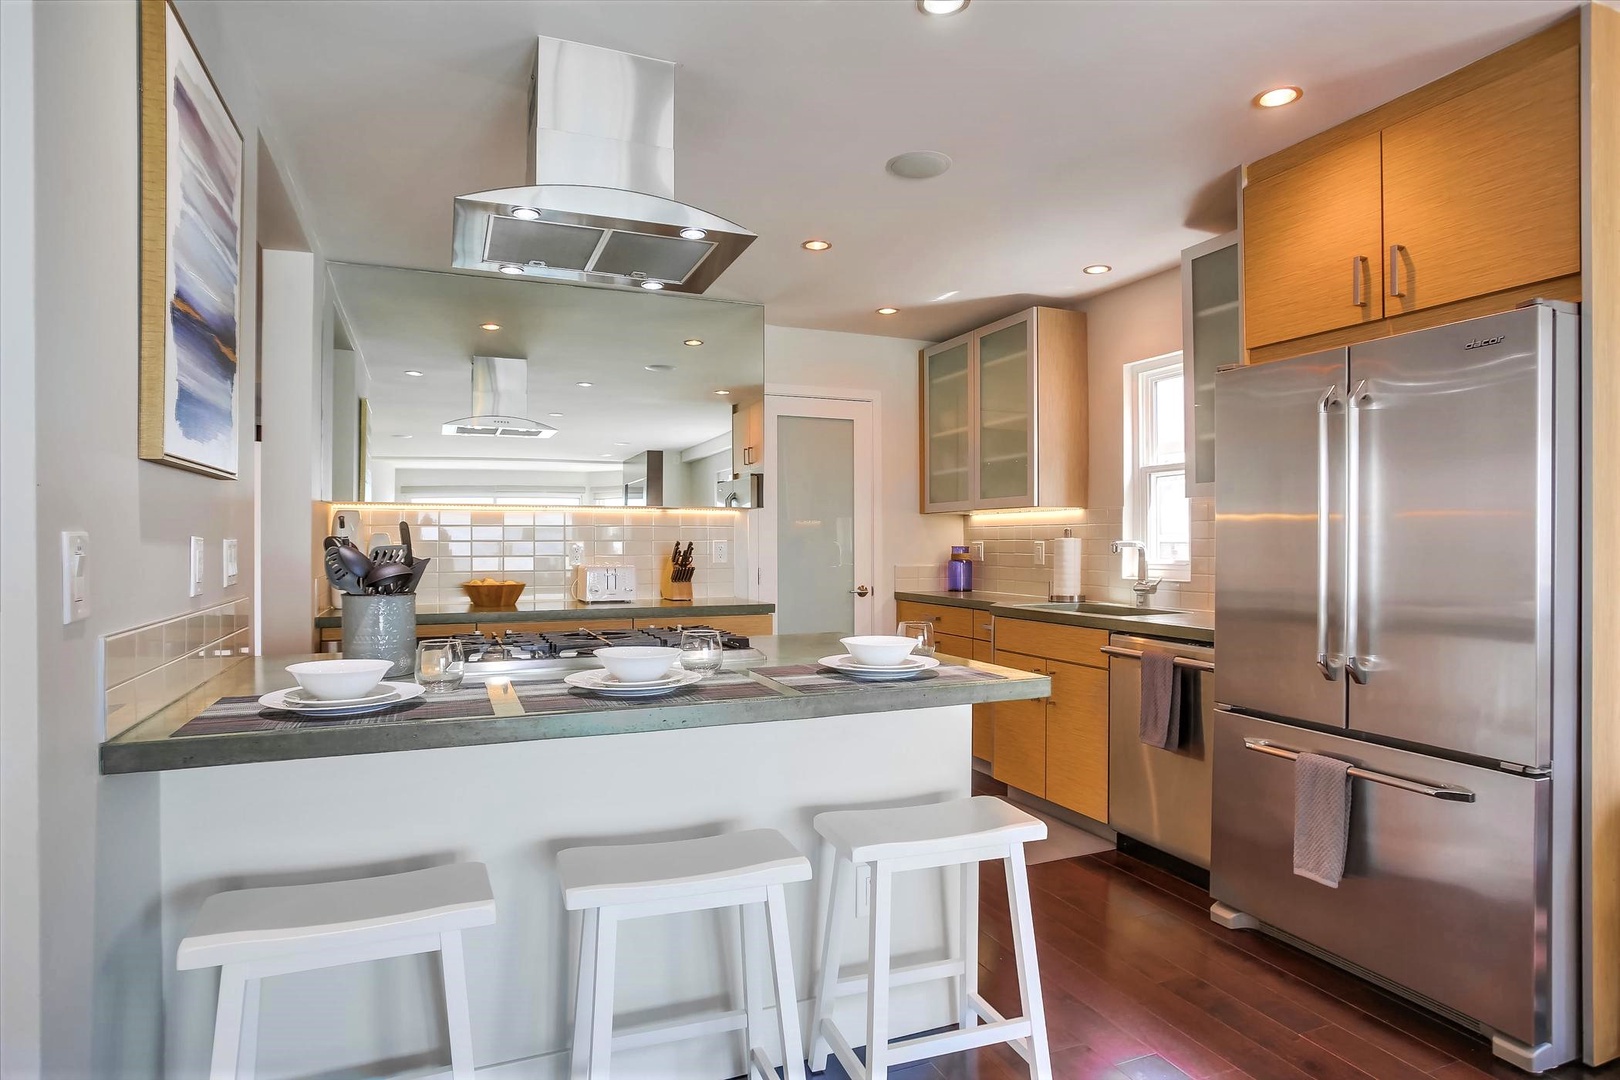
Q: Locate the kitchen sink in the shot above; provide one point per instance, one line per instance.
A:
(1099, 608)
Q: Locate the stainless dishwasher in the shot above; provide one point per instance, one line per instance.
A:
(1159, 797)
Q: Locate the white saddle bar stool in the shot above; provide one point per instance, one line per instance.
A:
(877, 844)
(253, 934)
(745, 870)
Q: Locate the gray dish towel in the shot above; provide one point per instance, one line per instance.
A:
(1321, 818)
(1160, 722)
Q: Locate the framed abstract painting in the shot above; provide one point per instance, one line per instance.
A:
(191, 255)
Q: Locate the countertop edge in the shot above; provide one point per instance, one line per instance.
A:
(634, 610)
(1163, 626)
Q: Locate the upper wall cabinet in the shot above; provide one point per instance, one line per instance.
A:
(1210, 340)
(1466, 188)
(1004, 418)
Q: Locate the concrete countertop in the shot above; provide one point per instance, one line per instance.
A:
(568, 610)
(1195, 626)
(151, 746)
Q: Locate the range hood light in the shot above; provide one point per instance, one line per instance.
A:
(694, 234)
(525, 213)
(511, 268)
(652, 285)
(660, 367)
(585, 384)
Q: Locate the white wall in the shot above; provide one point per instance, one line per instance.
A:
(19, 650)
(798, 357)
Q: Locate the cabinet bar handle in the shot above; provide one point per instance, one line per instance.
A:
(1180, 661)
(1395, 269)
(1442, 791)
(1358, 269)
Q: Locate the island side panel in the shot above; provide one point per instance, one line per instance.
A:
(513, 806)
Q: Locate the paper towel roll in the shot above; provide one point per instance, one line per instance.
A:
(1066, 568)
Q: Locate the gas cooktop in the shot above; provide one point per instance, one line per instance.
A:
(520, 653)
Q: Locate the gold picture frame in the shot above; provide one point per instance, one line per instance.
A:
(192, 178)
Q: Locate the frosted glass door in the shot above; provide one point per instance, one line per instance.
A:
(815, 525)
(1006, 417)
(948, 408)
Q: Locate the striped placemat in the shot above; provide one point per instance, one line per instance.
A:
(241, 715)
(814, 679)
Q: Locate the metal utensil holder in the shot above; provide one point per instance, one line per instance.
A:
(381, 628)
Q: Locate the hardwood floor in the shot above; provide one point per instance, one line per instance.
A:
(1140, 984)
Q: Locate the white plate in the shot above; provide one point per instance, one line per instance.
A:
(401, 692)
(845, 664)
(671, 678)
(296, 697)
(598, 681)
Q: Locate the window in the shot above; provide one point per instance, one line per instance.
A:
(1156, 510)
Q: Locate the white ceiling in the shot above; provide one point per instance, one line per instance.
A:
(406, 320)
(1082, 132)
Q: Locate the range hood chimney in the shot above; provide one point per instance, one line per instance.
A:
(600, 204)
(500, 396)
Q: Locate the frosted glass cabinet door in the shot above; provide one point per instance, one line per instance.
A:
(1006, 435)
(1211, 340)
(948, 410)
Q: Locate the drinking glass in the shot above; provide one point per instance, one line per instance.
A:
(702, 651)
(920, 632)
(440, 665)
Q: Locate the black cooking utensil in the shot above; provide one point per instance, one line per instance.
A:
(418, 568)
(354, 561)
(405, 542)
(339, 576)
(387, 577)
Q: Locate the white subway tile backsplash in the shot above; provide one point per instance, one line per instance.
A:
(150, 666)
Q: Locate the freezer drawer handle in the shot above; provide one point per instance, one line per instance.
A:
(1450, 794)
(1180, 661)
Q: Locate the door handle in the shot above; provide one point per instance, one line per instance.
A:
(1434, 791)
(1395, 269)
(861, 590)
(1354, 663)
(1358, 269)
(1326, 663)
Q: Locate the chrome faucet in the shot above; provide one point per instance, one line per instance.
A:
(1143, 584)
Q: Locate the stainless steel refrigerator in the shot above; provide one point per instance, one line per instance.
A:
(1397, 585)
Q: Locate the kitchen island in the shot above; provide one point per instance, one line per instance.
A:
(281, 807)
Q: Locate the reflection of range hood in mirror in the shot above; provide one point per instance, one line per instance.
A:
(500, 395)
(599, 207)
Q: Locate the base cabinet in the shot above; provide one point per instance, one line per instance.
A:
(1077, 739)
(1056, 747)
(1019, 733)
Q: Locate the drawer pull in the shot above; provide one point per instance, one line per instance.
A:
(1180, 661)
(1446, 792)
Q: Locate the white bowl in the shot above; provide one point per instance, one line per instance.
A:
(879, 650)
(336, 680)
(637, 663)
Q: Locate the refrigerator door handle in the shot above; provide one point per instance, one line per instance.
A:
(1434, 791)
(1354, 662)
(1326, 662)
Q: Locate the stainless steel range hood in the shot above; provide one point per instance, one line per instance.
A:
(599, 207)
(500, 396)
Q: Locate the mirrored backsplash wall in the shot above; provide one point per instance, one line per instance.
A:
(539, 546)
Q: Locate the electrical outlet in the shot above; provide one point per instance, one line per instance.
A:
(1040, 553)
(576, 553)
(977, 550)
(720, 552)
(196, 566)
(228, 561)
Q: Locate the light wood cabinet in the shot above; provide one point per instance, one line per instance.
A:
(950, 621)
(1019, 731)
(1482, 192)
(748, 436)
(1077, 739)
(1003, 415)
(1311, 241)
(1459, 199)
(984, 732)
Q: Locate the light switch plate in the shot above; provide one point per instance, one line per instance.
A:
(196, 581)
(75, 576)
(1040, 553)
(228, 561)
(977, 550)
(720, 552)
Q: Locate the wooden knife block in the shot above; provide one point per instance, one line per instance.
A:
(670, 589)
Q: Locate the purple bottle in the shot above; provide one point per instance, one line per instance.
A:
(959, 571)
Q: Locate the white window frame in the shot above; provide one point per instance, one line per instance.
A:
(1141, 467)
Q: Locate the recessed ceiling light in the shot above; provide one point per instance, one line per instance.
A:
(413, 373)
(1282, 95)
(918, 164)
(887, 310)
(585, 384)
(816, 245)
(525, 213)
(941, 7)
(653, 285)
(554, 415)
(723, 393)
(946, 295)
(1096, 268)
(511, 268)
(621, 444)
(401, 436)
(490, 326)
(693, 342)
(660, 367)
(693, 234)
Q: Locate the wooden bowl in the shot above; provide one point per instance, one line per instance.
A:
(504, 595)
